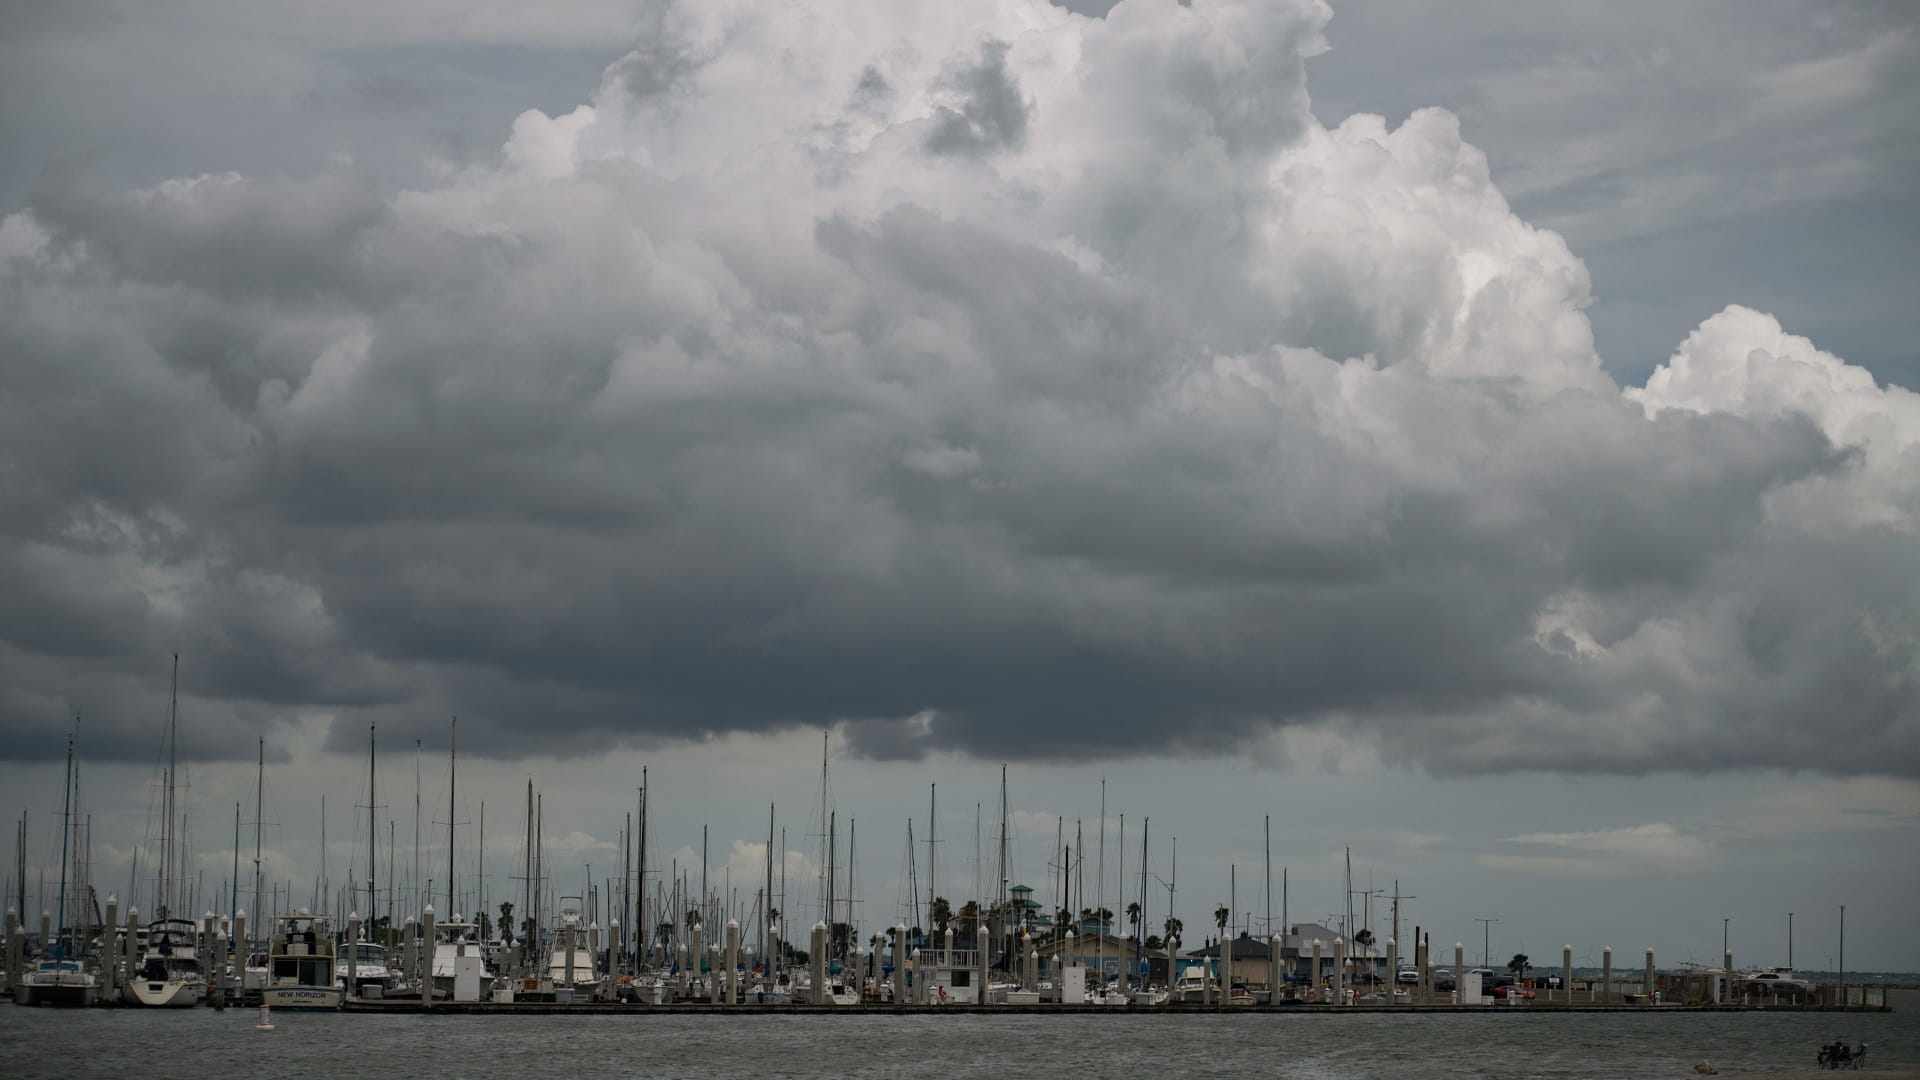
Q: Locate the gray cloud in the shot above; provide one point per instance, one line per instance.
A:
(991, 113)
(652, 431)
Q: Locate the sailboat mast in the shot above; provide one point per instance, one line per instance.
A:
(766, 922)
(166, 835)
(259, 802)
(933, 853)
(453, 767)
(526, 895)
(66, 815)
(1146, 832)
(1100, 888)
(373, 808)
(640, 914)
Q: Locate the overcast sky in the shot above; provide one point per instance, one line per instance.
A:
(1478, 435)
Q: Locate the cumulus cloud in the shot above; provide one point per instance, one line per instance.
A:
(986, 377)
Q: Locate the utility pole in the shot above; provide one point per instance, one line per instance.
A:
(1486, 939)
(1397, 897)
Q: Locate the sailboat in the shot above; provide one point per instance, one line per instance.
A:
(60, 979)
(168, 974)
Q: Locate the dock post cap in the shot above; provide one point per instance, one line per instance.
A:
(1337, 941)
(353, 916)
(733, 924)
(820, 925)
(1391, 944)
(428, 911)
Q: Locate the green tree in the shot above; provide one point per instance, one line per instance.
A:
(1519, 965)
(1133, 917)
(506, 916)
(1220, 917)
(1173, 926)
(941, 913)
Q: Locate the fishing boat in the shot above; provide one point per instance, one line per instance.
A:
(460, 966)
(301, 973)
(366, 971)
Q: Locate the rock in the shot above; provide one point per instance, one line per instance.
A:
(1705, 1068)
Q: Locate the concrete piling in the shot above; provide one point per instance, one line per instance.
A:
(733, 962)
(425, 953)
(1647, 986)
(14, 950)
(1459, 972)
(980, 981)
(240, 952)
(132, 944)
(899, 963)
(1275, 969)
(109, 956)
(1566, 974)
(817, 963)
(1314, 982)
(1606, 975)
(1340, 971)
(1393, 971)
(919, 988)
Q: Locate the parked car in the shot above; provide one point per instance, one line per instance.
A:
(1510, 991)
(1408, 977)
(1443, 979)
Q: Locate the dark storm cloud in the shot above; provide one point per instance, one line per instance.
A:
(650, 433)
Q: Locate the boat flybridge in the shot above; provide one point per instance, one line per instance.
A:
(460, 968)
(300, 966)
(366, 971)
(169, 974)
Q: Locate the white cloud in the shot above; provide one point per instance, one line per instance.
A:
(1653, 842)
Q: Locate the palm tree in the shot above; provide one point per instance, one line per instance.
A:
(1519, 965)
(506, 916)
(941, 913)
(1173, 926)
(1133, 917)
(1220, 917)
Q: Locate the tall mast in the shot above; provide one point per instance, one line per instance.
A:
(233, 893)
(640, 915)
(1100, 887)
(453, 766)
(166, 835)
(526, 895)
(1000, 900)
(414, 885)
(373, 808)
(1267, 893)
(766, 922)
(826, 843)
(259, 819)
(933, 853)
(66, 814)
(1146, 831)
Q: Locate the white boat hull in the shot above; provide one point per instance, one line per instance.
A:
(301, 998)
(69, 995)
(170, 994)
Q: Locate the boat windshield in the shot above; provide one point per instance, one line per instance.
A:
(367, 953)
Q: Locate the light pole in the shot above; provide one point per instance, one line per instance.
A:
(1843, 955)
(1789, 942)
(1486, 937)
(1724, 922)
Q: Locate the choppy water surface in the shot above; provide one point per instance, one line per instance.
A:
(207, 1045)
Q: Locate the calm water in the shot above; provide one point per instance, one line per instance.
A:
(205, 1045)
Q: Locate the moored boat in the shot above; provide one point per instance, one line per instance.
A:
(300, 965)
